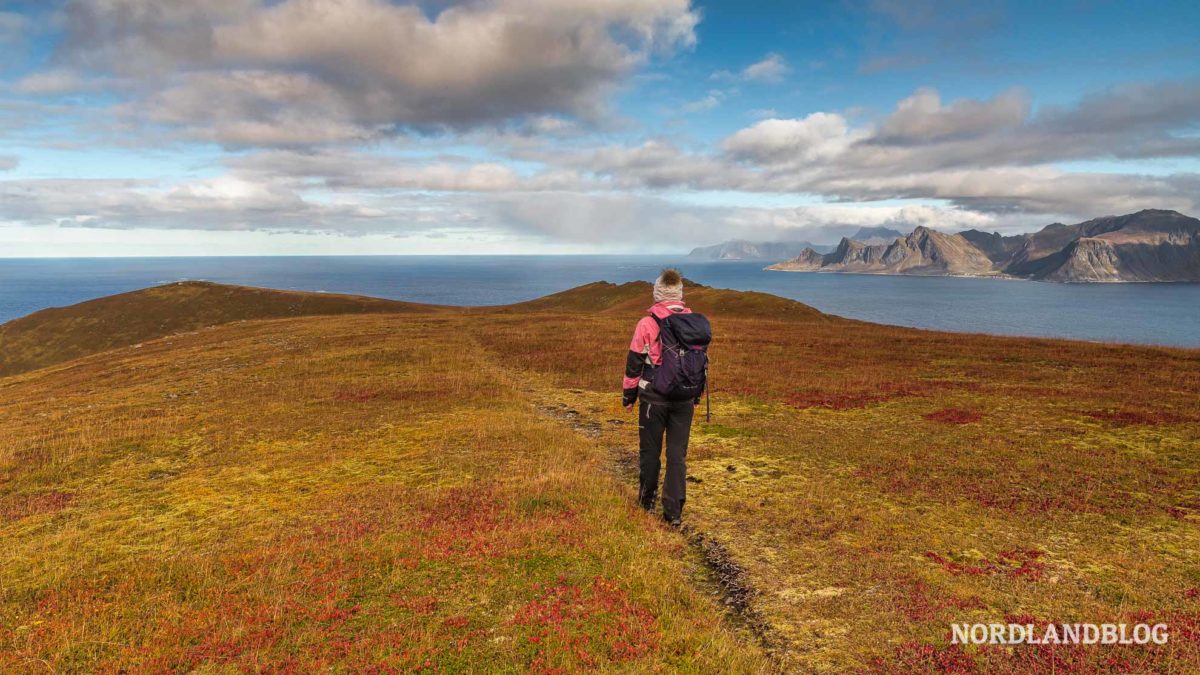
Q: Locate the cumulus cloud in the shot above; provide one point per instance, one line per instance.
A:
(253, 108)
(668, 225)
(655, 163)
(922, 117)
(818, 136)
(303, 90)
(349, 171)
(245, 200)
(1137, 121)
(771, 69)
(1036, 190)
(329, 71)
(991, 155)
(221, 203)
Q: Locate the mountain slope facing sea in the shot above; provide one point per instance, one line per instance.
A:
(922, 252)
(1151, 245)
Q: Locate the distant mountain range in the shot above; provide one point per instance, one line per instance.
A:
(740, 249)
(1150, 245)
(877, 235)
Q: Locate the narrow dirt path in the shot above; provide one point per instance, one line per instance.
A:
(724, 576)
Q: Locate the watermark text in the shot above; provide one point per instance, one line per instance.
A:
(1059, 634)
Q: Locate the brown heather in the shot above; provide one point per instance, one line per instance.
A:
(384, 492)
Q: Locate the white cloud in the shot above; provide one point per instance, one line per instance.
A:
(772, 68)
(352, 69)
(986, 156)
(223, 203)
(818, 136)
(54, 82)
(349, 171)
(664, 225)
(313, 94)
(922, 117)
(485, 201)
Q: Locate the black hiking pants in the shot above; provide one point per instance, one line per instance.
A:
(675, 419)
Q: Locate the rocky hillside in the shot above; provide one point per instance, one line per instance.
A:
(1151, 245)
(923, 252)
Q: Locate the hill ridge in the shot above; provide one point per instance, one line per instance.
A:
(60, 334)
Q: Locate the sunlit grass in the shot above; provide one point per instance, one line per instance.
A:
(383, 491)
(881, 483)
(325, 493)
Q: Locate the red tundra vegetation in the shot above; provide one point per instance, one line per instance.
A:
(379, 491)
(954, 416)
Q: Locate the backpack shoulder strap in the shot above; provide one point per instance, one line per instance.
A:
(665, 330)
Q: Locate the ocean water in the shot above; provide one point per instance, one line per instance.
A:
(1162, 314)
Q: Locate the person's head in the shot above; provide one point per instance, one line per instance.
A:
(669, 286)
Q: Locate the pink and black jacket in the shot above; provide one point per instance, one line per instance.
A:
(645, 352)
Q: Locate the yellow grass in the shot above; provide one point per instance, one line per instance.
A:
(388, 490)
(301, 494)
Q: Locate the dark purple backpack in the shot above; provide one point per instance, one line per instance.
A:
(684, 340)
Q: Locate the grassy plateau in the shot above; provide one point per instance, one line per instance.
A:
(205, 478)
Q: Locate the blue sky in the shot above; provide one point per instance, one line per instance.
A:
(132, 127)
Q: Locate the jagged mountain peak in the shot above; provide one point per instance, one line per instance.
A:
(1149, 245)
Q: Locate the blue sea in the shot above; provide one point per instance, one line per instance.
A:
(1161, 314)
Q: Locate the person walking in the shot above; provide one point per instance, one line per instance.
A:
(666, 369)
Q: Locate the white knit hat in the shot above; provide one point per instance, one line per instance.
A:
(668, 286)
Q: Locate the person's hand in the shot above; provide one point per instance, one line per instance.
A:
(629, 397)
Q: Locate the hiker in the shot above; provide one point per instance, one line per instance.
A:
(666, 368)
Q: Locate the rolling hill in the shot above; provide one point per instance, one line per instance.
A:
(404, 488)
(630, 299)
(63, 333)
